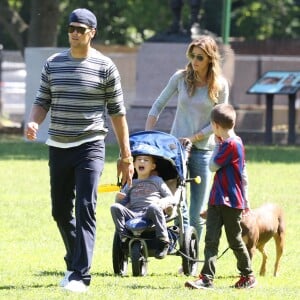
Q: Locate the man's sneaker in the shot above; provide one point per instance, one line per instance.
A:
(246, 282)
(76, 286)
(162, 249)
(65, 280)
(201, 283)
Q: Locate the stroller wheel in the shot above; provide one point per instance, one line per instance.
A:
(138, 259)
(119, 256)
(190, 249)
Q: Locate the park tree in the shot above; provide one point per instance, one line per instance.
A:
(44, 20)
(30, 23)
(12, 24)
(43, 23)
(261, 20)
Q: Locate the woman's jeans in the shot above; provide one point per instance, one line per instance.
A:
(198, 165)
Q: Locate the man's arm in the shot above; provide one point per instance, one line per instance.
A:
(36, 117)
(120, 127)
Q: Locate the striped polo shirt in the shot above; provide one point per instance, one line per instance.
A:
(79, 94)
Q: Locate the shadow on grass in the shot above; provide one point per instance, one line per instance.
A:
(14, 147)
(146, 287)
(57, 273)
(274, 154)
(26, 287)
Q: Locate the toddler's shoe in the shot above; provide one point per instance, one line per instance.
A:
(162, 249)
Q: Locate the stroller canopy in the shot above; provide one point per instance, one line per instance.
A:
(165, 147)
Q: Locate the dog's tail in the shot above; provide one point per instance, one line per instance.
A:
(281, 222)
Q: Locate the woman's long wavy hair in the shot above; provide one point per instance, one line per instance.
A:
(210, 47)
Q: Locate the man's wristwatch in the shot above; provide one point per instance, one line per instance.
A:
(128, 160)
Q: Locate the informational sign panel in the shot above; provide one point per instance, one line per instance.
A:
(274, 83)
(277, 82)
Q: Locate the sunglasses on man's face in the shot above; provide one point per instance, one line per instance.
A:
(199, 57)
(81, 30)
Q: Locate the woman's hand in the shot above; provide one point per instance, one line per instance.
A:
(185, 141)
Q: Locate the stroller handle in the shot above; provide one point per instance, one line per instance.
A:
(196, 179)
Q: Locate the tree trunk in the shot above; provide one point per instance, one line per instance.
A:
(13, 23)
(44, 23)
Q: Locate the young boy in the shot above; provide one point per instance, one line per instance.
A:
(227, 201)
(148, 196)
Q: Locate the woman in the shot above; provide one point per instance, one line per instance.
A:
(199, 87)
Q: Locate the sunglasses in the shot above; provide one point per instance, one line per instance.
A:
(81, 30)
(199, 57)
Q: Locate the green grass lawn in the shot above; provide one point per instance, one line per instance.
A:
(31, 250)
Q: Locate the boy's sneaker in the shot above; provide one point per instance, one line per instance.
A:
(246, 282)
(201, 283)
(76, 286)
(162, 249)
(65, 280)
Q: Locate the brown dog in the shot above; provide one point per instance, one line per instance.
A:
(259, 226)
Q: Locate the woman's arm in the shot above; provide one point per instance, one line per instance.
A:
(162, 100)
(150, 122)
(212, 165)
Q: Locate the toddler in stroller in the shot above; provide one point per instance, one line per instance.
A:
(141, 212)
(148, 197)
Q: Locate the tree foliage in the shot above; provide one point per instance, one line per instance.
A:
(44, 23)
(261, 20)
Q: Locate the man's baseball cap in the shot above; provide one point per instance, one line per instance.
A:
(84, 16)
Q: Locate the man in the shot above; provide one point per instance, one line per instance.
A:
(79, 85)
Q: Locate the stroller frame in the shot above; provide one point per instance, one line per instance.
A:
(142, 244)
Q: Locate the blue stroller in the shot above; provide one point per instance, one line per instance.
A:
(171, 166)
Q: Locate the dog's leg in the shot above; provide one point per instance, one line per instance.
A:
(279, 250)
(279, 240)
(251, 251)
(262, 271)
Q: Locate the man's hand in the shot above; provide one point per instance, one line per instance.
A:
(31, 130)
(126, 170)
